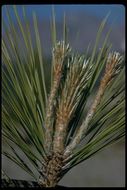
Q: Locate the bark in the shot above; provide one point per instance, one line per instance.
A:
(51, 171)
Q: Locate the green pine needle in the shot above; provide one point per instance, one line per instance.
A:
(48, 128)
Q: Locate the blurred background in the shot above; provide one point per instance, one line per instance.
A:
(107, 168)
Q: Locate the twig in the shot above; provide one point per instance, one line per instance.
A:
(59, 53)
(112, 68)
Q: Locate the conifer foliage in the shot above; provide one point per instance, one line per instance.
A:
(61, 129)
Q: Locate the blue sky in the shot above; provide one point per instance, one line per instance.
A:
(117, 11)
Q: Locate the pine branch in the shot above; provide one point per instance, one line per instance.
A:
(76, 82)
(51, 124)
(112, 68)
(60, 51)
